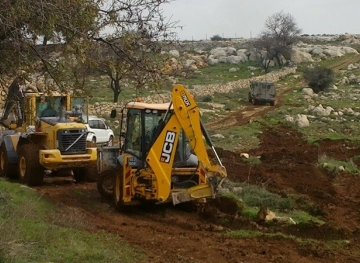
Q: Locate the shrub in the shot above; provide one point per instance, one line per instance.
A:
(216, 38)
(319, 78)
(207, 98)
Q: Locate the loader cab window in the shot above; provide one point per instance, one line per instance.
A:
(133, 134)
(152, 127)
(48, 106)
(79, 109)
(142, 130)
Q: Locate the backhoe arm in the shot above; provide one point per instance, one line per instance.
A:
(185, 115)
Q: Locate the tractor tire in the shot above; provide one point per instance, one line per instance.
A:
(79, 174)
(254, 101)
(105, 184)
(86, 174)
(7, 169)
(31, 172)
(272, 103)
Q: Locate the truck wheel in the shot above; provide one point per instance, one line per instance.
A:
(91, 172)
(272, 103)
(86, 174)
(7, 169)
(79, 174)
(254, 101)
(105, 184)
(31, 172)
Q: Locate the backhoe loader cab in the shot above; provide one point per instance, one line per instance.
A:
(144, 122)
(163, 156)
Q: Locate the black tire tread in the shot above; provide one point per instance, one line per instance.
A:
(7, 169)
(105, 176)
(34, 173)
(86, 174)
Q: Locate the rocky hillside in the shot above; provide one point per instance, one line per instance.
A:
(192, 56)
(224, 52)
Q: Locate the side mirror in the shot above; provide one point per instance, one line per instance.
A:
(113, 114)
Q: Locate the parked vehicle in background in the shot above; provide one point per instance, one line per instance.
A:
(99, 132)
(262, 92)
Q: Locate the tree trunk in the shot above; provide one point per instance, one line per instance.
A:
(116, 96)
(116, 88)
(278, 60)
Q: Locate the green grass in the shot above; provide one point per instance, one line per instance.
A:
(328, 245)
(219, 73)
(333, 165)
(99, 90)
(254, 197)
(35, 230)
(257, 196)
(238, 138)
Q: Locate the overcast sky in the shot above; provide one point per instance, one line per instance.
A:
(202, 19)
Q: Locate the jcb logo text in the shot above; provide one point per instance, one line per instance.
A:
(185, 99)
(168, 147)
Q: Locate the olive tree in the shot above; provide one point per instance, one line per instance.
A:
(26, 25)
(56, 38)
(128, 60)
(279, 35)
(131, 54)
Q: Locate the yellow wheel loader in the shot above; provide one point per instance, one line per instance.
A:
(45, 133)
(163, 156)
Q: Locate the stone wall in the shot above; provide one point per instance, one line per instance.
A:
(104, 108)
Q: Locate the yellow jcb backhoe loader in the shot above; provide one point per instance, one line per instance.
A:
(164, 156)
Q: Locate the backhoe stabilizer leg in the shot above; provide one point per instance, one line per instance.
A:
(193, 193)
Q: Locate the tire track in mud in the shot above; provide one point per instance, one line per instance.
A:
(246, 114)
(344, 63)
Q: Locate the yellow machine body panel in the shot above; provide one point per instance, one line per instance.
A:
(51, 159)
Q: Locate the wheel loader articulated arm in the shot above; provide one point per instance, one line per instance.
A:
(184, 115)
